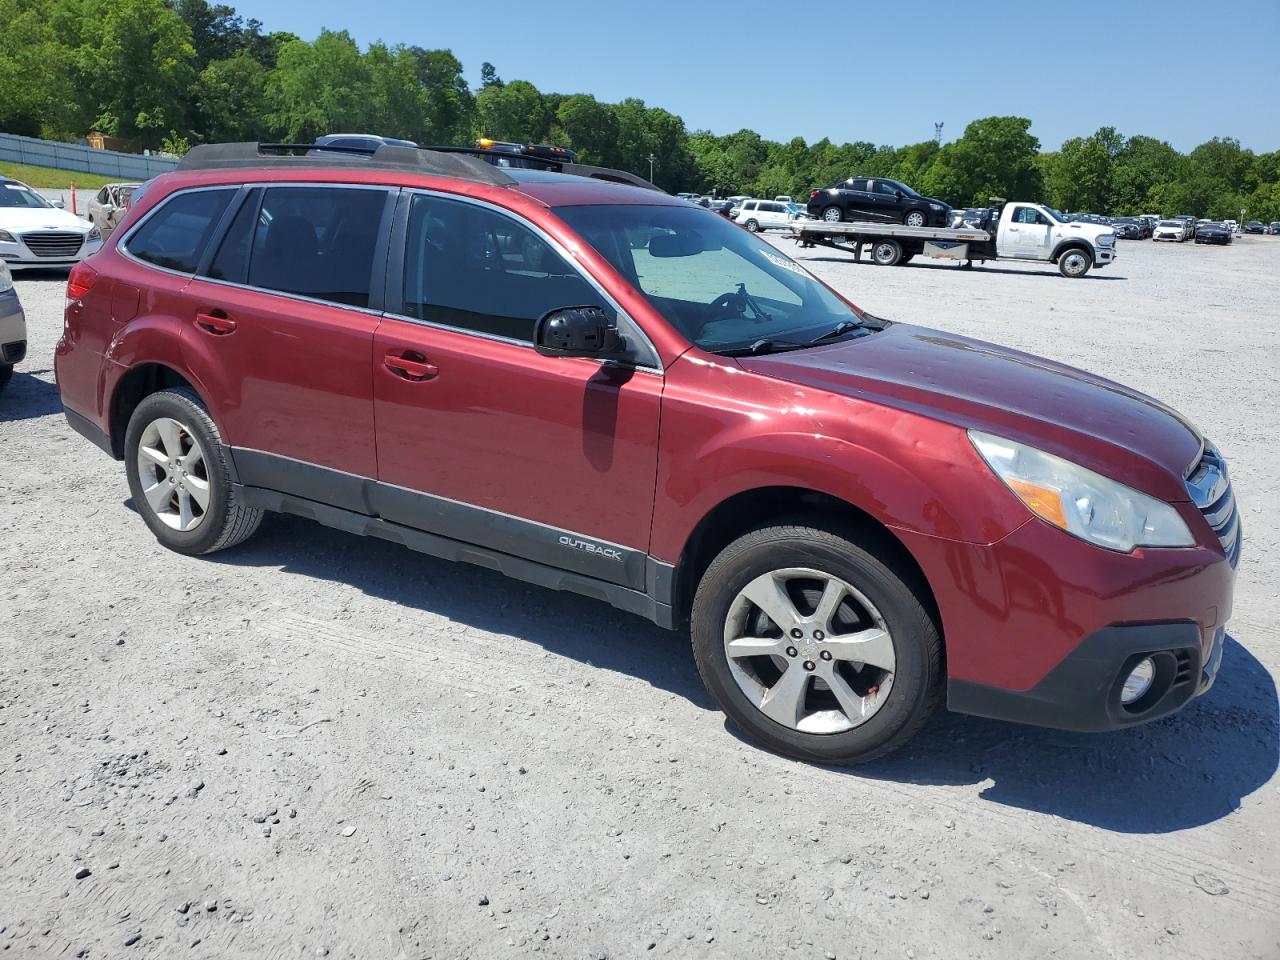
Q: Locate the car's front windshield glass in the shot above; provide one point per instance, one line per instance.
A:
(901, 186)
(722, 287)
(1061, 218)
(20, 195)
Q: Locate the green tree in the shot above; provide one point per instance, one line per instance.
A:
(996, 157)
(1079, 177)
(512, 111)
(447, 100)
(231, 99)
(139, 72)
(38, 93)
(587, 126)
(1142, 165)
(318, 88)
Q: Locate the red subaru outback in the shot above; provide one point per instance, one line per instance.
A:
(600, 388)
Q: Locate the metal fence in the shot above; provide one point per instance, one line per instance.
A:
(74, 156)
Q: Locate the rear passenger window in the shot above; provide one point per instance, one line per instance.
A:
(470, 267)
(175, 235)
(316, 242)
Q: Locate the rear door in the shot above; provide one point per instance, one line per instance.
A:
(859, 203)
(282, 317)
(482, 439)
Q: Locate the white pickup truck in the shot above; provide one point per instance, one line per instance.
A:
(1017, 231)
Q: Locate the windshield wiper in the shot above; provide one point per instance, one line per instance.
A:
(761, 346)
(839, 330)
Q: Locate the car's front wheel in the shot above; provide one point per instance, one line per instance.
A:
(753, 226)
(1075, 263)
(832, 215)
(915, 218)
(179, 477)
(814, 646)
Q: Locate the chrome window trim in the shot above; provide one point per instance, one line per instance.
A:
(654, 363)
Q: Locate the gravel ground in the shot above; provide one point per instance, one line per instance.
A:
(323, 745)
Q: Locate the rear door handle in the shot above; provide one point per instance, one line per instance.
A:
(409, 365)
(215, 322)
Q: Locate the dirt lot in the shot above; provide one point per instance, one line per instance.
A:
(322, 745)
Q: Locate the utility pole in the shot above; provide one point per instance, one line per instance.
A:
(651, 158)
(937, 132)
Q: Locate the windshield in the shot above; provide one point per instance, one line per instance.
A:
(901, 186)
(20, 195)
(722, 287)
(1170, 223)
(1060, 217)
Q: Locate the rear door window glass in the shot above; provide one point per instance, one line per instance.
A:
(317, 242)
(175, 235)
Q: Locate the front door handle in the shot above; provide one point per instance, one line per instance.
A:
(215, 322)
(410, 365)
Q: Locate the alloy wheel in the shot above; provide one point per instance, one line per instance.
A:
(173, 474)
(809, 650)
(915, 219)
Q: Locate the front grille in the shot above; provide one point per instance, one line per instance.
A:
(1210, 489)
(55, 245)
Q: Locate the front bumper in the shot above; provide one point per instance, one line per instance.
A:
(13, 329)
(1041, 627)
(1103, 255)
(18, 256)
(1083, 691)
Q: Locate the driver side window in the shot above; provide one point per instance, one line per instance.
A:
(469, 267)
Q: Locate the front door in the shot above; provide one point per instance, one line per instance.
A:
(1029, 232)
(482, 439)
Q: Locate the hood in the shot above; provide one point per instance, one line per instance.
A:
(1102, 425)
(1085, 229)
(23, 219)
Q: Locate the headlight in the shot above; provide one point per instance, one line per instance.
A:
(1106, 240)
(935, 206)
(6, 237)
(94, 234)
(1083, 503)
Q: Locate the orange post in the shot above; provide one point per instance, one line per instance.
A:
(73, 196)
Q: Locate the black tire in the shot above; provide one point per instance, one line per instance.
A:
(877, 574)
(886, 253)
(6, 371)
(1075, 262)
(832, 214)
(227, 521)
(906, 258)
(753, 226)
(911, 215)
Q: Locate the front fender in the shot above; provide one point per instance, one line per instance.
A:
(905, 470)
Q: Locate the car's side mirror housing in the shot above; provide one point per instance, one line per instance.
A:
(59, 204)
(577, 332)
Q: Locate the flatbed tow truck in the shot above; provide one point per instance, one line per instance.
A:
(1018, 231)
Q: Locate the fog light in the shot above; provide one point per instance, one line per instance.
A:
(1138, 682)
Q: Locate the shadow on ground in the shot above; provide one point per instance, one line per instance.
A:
(1182, 772)
(27, 397)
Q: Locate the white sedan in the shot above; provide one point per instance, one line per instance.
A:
(1170, 230)
(34, 233)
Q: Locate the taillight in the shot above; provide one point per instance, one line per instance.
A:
(81, 280)
(812, 194)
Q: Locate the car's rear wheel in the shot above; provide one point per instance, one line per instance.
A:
(1075, 263)
(915, 218)
(886, 253)
(753, 226)
(832, 215)
(814, 646)
(179, 477)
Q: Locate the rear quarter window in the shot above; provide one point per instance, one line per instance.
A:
(175, 234)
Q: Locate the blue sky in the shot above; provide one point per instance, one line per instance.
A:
(1177, 70)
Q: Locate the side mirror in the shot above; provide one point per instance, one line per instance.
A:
(61, 205)
(576, 332)
(899, 194)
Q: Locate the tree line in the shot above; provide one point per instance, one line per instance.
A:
(169, 73)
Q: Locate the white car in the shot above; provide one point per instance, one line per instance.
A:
(783, 198)
(757, 215)
(36, 233)
(13, 327)
(1170, 230)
